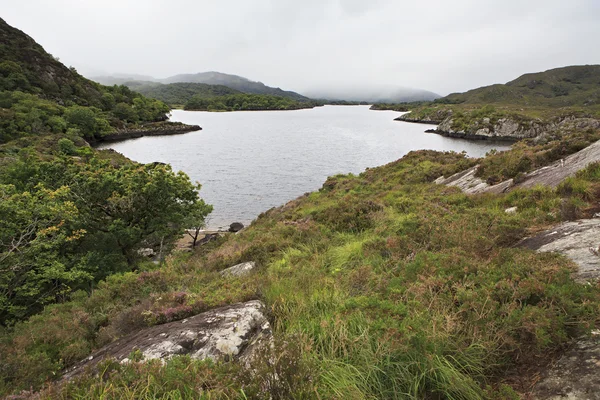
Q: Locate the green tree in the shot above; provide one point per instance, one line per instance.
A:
(33, 270)
(196, 220)
(82, 118)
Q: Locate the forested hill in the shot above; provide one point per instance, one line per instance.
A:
(235, 82)
(560, 87)
(27, 67)
(38, 95)
(180, 93)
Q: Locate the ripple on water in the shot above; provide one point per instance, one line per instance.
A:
(248, 162)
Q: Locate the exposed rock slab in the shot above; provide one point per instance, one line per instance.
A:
(551, 175)
(239, 269)
(232, 332)
(555, 173)
(576, 375)
(470, 184)
(577, 240)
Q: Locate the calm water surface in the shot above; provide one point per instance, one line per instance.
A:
(248, 162)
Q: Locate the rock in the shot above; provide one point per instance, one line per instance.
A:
(209, 237)
(148, 252)
(465, 181)
(577, 240)
(236, 227)
(551, 175)
(576, 375)
(233, 332)
(554, 174)
(239, 269)
(511, 210)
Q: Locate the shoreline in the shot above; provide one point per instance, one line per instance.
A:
(467, 136)
(134, 134)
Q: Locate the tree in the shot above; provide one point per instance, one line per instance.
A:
(133, 206)
(82, 118)
(33, 269)
(196, 220)
(125, 112)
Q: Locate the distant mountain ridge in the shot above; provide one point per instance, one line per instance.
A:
(374, 94)
(235, 82)
(179, 93)
(352, 93)
(577, 85)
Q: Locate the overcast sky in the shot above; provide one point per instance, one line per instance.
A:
(438, 45)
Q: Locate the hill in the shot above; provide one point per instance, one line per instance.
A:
(560, 87)
(531, 106)
(235, 82)
(180, 93)
(38, 95)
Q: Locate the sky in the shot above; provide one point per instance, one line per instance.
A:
(437, 45)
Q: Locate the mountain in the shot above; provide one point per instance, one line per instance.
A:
(179, 93)
(535, 105)
(120, 79)
(235, 82)
(238, 83)
(577, 85)
(27, 67)
(58, 100)
(373, 94)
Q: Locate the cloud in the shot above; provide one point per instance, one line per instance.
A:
(436, 45)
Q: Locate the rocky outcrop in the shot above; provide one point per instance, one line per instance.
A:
(551, 175)
(470, 184)
(510, 128)
(239, 270)
(577, 240)
(234, 332)
(576, 375)
(418, 120)
(554, 174)
(163, 130)
(503, 129)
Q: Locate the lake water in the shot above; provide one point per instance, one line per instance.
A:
(248, 162)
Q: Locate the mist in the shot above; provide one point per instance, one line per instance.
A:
(343, 45)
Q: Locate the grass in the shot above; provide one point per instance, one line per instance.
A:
(381, 285)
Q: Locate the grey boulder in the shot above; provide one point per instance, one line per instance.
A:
(233, 332)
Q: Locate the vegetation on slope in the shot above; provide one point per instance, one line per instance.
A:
(72, 216)
(245, 102)
(538, 99)
(560, 87)
(38, 94)
(381, 285)
(177, 94)
(235, 82)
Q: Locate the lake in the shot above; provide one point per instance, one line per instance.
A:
(248, 162)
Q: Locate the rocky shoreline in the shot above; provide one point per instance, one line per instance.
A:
(508, 128)
(417, 121)
(162, 130)
(469, 136)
